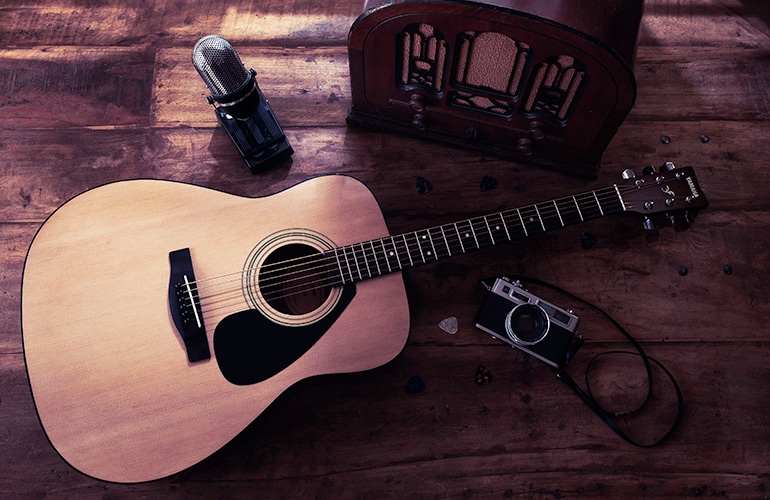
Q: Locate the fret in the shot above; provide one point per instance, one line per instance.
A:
(467, 235)
(339, 264)
(355, 261)
(395, 251)
(452, 239)
(446, 242)
(498, 227)
(556, 207)
(578, 209)
(366, 260)
(550, 218)
(408, 253)
(402, 252)
(425, 244)
(597, 203)
(380, 259)
(376, 260)
(514, 224)
(459, 238)
(588, 205)
(489, 229)
(391, 255)
(531, 221)
(345, 266)
(433, 253)
(615, 201)
(620, 198)
(521, 219)
(479, 227)
(359, 267)
(569, 211)
(418, 246)
(540, 217)
(610, 200)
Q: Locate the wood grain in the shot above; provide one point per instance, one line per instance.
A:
(92, 93)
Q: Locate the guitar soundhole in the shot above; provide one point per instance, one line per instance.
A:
(293, 280)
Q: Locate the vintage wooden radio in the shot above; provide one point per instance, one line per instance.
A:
(544, 81)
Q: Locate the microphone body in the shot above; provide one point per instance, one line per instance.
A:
(239, 104)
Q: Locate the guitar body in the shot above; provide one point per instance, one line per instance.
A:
(109, 372)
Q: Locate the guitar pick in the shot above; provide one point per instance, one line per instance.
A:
(449, 325)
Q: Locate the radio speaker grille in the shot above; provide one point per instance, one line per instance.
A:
(545, 82)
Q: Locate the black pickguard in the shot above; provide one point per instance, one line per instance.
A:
(250, 348)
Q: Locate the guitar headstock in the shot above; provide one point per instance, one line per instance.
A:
(671, 195)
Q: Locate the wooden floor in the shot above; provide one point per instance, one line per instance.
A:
(94, 92)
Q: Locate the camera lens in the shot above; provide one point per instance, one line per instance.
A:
(527, 324)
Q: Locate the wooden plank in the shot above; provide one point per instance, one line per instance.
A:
(731, 165)
(693, 83)
(14, 241)
(708, 23)
(134, 22)
(48, 87)
(458, 435)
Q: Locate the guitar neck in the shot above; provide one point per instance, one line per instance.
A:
(389, 254)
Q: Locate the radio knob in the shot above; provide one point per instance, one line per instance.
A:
(417, 103)
(418, 122)
(538, 130)
(525, 146)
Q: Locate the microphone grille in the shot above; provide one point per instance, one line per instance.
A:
(218, 64)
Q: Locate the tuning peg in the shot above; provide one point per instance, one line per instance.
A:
(648, 224)
(648, 170)
(628, 174)
(669, 165)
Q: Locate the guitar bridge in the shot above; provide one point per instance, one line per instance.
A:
(185, 307)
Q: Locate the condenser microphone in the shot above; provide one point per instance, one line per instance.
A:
(239, 104)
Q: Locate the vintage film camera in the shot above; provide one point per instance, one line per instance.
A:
(512, 314)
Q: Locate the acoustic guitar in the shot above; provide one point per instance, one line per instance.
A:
(160, 319)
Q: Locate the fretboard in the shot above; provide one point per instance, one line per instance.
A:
(369, 259)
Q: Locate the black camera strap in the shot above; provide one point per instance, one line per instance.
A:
(588, 397)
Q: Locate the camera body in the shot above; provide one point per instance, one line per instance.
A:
(511, 314)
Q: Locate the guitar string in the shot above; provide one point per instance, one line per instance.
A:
(529, 213)
(323, 281)
(544, 213)
(294, 274)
